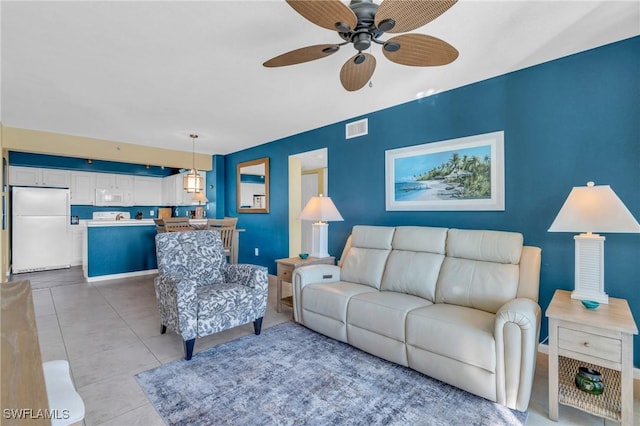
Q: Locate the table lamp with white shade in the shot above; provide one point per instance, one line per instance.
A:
(200, 198)
(590, 209)
(323, 210)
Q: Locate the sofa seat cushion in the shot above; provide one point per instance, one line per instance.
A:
(383, 312)
(331, 300)
(457, 332)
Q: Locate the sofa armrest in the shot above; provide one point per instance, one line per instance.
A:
(516, 332)
(310, 274)
(178, 304)
(529, 280)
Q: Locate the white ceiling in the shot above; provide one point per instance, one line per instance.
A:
(150, 73)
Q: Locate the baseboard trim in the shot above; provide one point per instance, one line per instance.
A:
(123, 275)
(544, 349)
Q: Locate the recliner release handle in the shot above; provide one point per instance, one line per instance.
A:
(324, 277)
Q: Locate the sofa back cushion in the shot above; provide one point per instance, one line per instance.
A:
(481, 269)
(415, 261)
(488, 246)
(365, 261)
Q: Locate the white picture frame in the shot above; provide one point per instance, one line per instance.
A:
(457, 174)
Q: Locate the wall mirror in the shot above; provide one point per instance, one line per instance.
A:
(253, 186)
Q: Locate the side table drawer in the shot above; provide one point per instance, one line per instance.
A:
(285, 273)
(590, 344)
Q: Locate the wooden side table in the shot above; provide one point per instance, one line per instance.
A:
(285, 273)
(600, 339)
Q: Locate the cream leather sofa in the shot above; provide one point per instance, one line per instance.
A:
(457, 305)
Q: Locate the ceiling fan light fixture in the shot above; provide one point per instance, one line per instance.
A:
(386, 25)
(391, 46)
(361, 41)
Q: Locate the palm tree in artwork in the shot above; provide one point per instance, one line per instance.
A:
(454, 161)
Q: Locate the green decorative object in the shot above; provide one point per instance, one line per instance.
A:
(589, 381)
(303, 255)
(590, 304)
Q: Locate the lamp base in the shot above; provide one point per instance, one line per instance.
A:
(319, 238)
(589, 273)
(602, 298)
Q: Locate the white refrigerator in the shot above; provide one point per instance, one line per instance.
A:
(41, 237)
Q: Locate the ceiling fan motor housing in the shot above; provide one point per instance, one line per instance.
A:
(365, 31)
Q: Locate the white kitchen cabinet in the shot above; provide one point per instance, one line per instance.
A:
(27, 176)
(77, 240)
(168, 192)
(147, 191)
(114, 181)
(174, 193)
(83, 188)
(35, 176)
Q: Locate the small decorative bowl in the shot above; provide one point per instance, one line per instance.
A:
(590, 304)
(303, 256)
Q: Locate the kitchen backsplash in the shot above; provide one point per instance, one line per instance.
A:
(86, 212)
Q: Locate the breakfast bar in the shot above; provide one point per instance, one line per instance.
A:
(126, 247)
(115, 249)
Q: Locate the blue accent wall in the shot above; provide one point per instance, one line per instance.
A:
(217, 177)
(566, 122)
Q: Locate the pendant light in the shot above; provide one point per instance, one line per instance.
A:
(192, 181)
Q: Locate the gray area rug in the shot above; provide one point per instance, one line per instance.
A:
(290, 375)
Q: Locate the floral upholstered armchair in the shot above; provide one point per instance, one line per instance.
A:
(199, 293)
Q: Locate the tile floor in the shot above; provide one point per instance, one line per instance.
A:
(109, 331)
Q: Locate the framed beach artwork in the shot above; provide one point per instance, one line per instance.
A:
(457, 174)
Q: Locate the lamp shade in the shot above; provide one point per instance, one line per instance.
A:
(200, 197)
(594, 209)
(321, 209)
(193, 182)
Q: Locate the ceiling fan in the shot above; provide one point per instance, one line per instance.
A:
(363, 23)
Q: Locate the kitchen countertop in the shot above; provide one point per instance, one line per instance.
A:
(133, 222)
(123, 222)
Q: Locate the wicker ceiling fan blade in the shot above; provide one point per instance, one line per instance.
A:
(410, 14)
(326, 13)
(357, 71)
(304, 54)
(419, 50)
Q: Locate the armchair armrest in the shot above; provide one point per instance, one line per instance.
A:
(178, 304)
(516, 332)
(256, 278)
(310, 274)
(253, 276)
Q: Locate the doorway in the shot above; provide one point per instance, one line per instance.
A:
(308, 177)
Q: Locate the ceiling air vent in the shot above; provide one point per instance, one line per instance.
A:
(357, 128)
